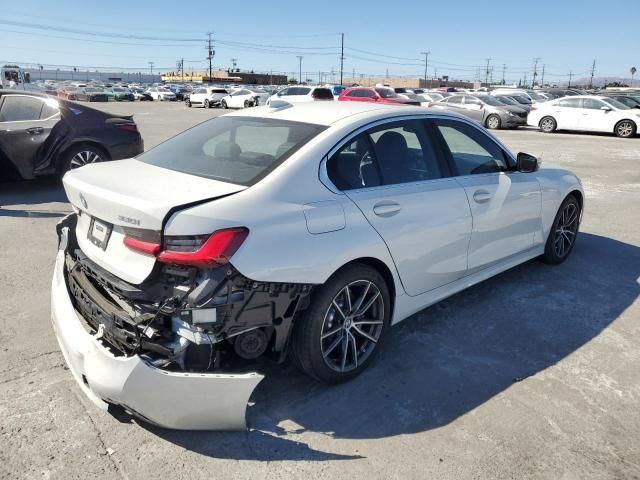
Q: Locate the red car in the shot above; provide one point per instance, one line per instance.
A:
(375, 94)
(67, 92)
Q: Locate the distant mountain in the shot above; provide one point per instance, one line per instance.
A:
(602, 81)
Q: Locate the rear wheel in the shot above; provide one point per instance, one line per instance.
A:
(223, 104)
(247, 104)
(493, 122)
(564, 232)
(548, 125)
(340, 333)
(188, 103)
(81, 155)
(625, 129)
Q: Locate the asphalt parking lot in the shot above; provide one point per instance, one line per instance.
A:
(532, 374)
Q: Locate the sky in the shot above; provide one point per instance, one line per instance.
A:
(379, 36)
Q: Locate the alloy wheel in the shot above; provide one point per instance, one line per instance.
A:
(625, 129)
(493, 122)
(84, 157)
(352, 326)
(546, 124)
(566, 230)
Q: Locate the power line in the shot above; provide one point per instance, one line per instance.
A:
(426, 65)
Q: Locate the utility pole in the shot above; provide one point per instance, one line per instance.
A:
(234, 62)
(593, 70)
(299, 57)
(570, 77)
(535, 71)
(341, 56)
(151, 64)
(211, 53)
(426, 66)
(486, 77)
(542, 79)
(504, 69)
(525, 80)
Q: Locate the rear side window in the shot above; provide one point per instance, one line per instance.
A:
(570, 102)
(298, 91)
(17, 108)
(322, 94)
(240, 150)
(471, 150)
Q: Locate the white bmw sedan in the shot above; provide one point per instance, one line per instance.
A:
(308, 230)
(585, 113)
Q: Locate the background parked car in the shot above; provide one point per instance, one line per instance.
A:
(485, 109)
(244, 98)
(628, 100)
(302, 94)
(507, 100)
(140, 94)
(123, 95)
(180, 91)
(375, 94)
(521, 92)
(161, 94)
(91, 94)
(41, 135)
(588, 113)
(206, 97)
(68, 92)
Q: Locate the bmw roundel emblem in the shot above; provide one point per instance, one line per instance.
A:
(83, 201)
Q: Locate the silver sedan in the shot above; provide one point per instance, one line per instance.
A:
(486, 110)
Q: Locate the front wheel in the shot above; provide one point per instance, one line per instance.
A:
(188, 103)
(625, 129)
(223, 104)
(564, 232)
(494, 122)
(341, 331)
(206, 104)
(247, 104)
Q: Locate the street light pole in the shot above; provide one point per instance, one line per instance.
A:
(426, 66)
(300, 68)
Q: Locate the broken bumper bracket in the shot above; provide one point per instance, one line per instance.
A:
(179, 400)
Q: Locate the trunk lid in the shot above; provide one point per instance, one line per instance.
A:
(114, 196)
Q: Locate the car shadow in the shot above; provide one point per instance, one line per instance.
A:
(444, 361)
(15, 195)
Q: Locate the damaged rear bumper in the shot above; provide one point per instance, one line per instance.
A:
(179, 400)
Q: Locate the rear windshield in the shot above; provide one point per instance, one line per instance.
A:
(240, 150)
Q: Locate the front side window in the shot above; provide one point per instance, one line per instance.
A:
(592, 104)
(471, 150)
(18, 108)
(454, 100)
(240, 150)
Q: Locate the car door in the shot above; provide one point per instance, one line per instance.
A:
(593, 118)
(473, 108)
(395, 174)
(238, 98)
(568, 113)
(454, 104)
(505, 204)
(25, 123)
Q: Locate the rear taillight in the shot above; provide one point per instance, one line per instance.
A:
(533, 108)
(129, 127)
(142, 240)
(142, 246)
(203, 250)
(429, 104)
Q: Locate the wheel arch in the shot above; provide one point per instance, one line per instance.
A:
(77, 143)
(615, 127)
(382, 268)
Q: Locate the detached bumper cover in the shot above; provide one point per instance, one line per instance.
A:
(179, 400)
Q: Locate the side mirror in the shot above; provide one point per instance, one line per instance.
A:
(606, 109)
(526, 163)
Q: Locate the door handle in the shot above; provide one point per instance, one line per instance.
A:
(35, 130)
(482, 196)
(386, 209)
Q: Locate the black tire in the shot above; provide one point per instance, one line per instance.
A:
(553, 253)
(247, 104)
(548, 124)
(188, 103)
(206, 104)
(223, 104)
(625, 129)
(493, 122)
(315, 357)
(67, 163)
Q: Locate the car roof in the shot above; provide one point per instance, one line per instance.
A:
(328, 113)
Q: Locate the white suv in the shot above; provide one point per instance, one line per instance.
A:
(302, 94)
(161, 94)
(206, 97)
